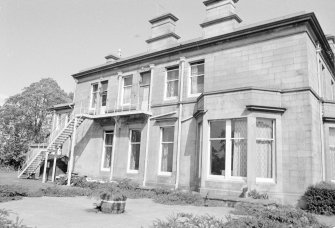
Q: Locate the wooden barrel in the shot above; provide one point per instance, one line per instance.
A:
(113, 207)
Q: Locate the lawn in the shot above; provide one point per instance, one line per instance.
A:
(79, 211)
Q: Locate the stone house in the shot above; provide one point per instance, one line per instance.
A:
(240, 106)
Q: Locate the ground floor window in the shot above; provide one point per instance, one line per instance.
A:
(265, 141)
(228, 148)
(167, 142)
(107, 150)
(332, 152)
(135, 147)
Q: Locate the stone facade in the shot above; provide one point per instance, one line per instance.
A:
(281, 71)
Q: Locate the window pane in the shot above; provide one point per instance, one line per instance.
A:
(103, 99)
(264, 128)
(167, 157)
(94, 100)
(172, 89)
(264, 158)
(239, 158)
(108, 157)
(218, 129)
(332, 152)
(172, 74)
(135, 156)
(197, 69)
(135, 136)
(128, 81)
(239, 128)
(95, 88)
(104, 86)
(109, 139)
(126, 95)
(168, 134)
(197, 84)
(145, 78)
(218, 157)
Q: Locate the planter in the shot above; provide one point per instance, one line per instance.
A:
(113, 207)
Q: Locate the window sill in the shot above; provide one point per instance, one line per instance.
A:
(265, 181)
(193, 95)
(226, 179)
(132, 171)
(166, 174)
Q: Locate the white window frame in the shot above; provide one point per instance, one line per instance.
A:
(332, 178)
(123, 86)
(130, 149)
(104, 150)
(172, 68)
(162, 173)
(228, 148)
(91, 99)
(262, 179)
(189, 83)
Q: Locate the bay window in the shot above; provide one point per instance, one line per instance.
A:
(172, 82)
(265, 147)
(332, 153)
(228, 148)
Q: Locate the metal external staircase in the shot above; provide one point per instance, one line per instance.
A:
(58, 137)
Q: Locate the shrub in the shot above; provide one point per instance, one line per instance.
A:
(182, 220)
(127, 184)
(63, 192)
(287, 215)
(320, 198)
(5, 222)
(11, 192)
(256, 195)
(179, 198)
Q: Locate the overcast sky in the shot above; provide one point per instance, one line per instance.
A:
(57, 38)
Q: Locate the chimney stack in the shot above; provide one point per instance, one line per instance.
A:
(111, 58)
(163, 32)
(221, 17)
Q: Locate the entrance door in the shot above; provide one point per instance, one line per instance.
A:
(103, 97)
(145, 90)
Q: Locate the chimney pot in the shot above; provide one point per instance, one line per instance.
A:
(111, 58)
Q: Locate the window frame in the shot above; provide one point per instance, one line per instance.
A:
(91, 99)
(160, 172)
(228, 147)
(274, 150)
(332, 178)
(123, 87)
(102, 168)
(189, 78)
(104, 93)
(168, 69)
(134, 171)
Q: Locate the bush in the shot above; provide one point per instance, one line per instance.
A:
(182, 220)
(256, 195)
(7, 223)
(320, 198)
(179, 198)
(11, 192)
(64, 192)
(281, 215)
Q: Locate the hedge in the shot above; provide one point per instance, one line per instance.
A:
(320, 198)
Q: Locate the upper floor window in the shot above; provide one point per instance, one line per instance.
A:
(197, 77)
(265, 148)
(126, 90)
(172, 82)
(228, 148)
(104, 86)
(94, 95)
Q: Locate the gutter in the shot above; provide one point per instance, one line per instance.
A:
(309, 17)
